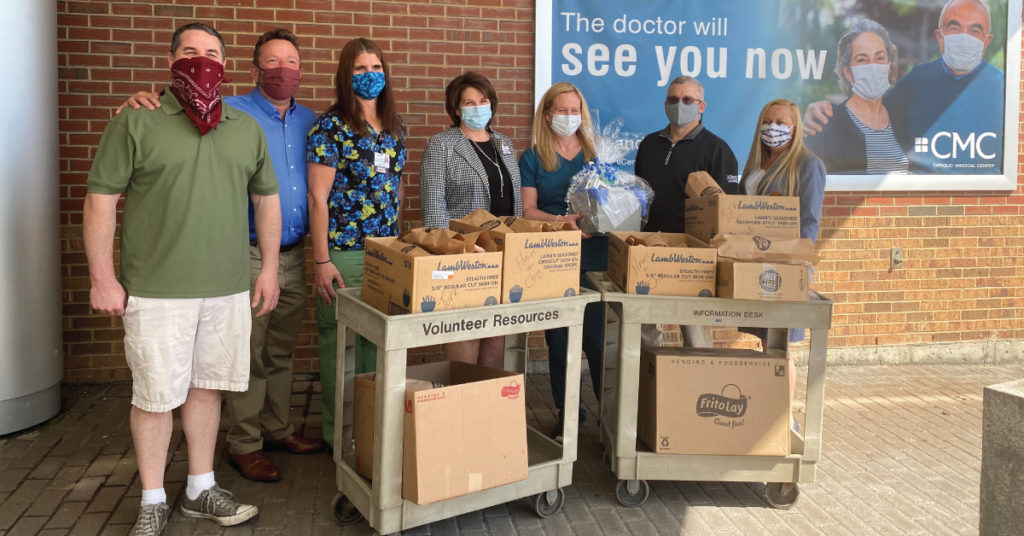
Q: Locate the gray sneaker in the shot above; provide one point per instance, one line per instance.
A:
(151, 521)
(219, 505)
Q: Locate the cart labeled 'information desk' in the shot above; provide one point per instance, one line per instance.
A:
(380, 500)
(633, 463)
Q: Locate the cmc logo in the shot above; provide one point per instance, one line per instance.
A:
(944, 145)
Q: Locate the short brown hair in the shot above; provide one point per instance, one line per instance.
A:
(276, 33)
(453, 93)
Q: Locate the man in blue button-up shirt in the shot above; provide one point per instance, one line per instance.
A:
(265, 406)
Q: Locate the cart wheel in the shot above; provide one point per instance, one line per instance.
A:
(345, 512)
(632, 493)
(781, 495)
(549, 503)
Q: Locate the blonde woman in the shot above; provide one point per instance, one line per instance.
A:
(779, 164)
(560, 148)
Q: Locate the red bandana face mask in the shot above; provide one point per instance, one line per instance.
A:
(196, 83)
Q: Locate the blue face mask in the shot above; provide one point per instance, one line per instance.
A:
(476, 117)
(368, 85)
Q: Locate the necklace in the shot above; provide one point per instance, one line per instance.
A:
(494, 162)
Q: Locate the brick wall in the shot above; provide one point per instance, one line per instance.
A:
(960, 280)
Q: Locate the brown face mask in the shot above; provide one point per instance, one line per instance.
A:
(280, 83)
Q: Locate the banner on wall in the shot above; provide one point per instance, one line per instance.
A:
(950, 94)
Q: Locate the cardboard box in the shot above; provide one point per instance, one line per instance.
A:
(363, 409)
(764, 215)
(465, 430)
(684, 267)
(396, 282)
(537, 264)
(766, 281)
(714, 401)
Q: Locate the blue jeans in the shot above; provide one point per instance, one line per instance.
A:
(593, 347)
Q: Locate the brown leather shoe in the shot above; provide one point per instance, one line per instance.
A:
(255, 466)
(295, 444)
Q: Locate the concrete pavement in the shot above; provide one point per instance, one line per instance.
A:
(901, 455)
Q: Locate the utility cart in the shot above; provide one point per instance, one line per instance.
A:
(632, 462)
(380, 500)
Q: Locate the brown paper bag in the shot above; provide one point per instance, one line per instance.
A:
(762, 249)
(700, 184)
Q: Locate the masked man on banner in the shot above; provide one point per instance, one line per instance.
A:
(952, 106)
(183, 289)
(264, 407)
(667, 157)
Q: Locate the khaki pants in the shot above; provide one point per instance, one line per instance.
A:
(265, 406)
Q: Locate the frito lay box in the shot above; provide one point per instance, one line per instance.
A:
(400, 277)
(666, 264)
(465, 429)
(541, 259)
(714, 401)
(763, 215)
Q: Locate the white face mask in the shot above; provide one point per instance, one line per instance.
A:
(871, 80)
(566, 125)
(962, 52)
(774, 135)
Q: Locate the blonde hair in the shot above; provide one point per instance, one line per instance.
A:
(785, 170)
(543, 137)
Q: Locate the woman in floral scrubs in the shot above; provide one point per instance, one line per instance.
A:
(355, 154)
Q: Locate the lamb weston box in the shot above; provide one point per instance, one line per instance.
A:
(714, 401)
(541, 259)
(764, 215)
(399, 278)
(465, 429)
(679, 266)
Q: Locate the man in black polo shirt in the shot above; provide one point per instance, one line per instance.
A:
(667, 157)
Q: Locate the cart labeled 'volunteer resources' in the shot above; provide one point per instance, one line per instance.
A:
(633, 463)
(380, 500)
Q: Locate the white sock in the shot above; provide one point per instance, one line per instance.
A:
(197, 484)
(153, 496)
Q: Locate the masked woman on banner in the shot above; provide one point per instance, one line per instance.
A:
(561, 146)
(860, 138)
(468, 167)
(355, 154)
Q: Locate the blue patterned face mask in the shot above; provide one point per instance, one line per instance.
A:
(368, 85)
(774, 135)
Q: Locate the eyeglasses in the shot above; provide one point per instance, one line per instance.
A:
(685, 100)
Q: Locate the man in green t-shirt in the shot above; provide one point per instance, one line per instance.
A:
(187, 172)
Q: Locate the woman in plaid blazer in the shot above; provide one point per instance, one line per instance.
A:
(466, 167)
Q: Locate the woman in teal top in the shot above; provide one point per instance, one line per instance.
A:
(560, 148)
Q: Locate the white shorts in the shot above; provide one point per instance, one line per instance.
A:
(175, 344)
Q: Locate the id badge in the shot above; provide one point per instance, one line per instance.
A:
(381, 162)
(506, 150)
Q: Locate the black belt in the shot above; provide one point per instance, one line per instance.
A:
(284, 249)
